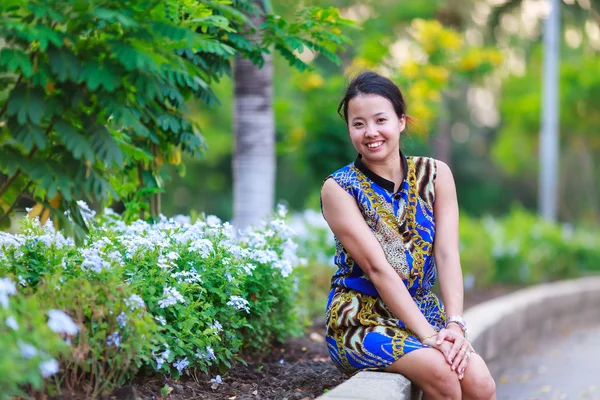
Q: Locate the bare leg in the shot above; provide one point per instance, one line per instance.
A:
(478, 383)
(428, 369)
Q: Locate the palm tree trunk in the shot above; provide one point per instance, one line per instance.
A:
(254, 146)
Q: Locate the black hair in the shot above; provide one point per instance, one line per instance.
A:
(371, 83)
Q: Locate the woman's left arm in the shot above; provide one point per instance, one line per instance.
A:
(447, 259)
(445, 247)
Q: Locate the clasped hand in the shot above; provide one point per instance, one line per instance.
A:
(455, 348)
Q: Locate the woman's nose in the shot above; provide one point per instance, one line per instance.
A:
(371, 131)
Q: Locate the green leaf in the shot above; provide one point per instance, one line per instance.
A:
(98, 74)
(27, 103)
(16, 61)
(64, 64)
(45, 35)
(104, 145)
(31, 135)
(114, 16)
(77, 143)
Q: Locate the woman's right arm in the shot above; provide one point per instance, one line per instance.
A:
(348, 225)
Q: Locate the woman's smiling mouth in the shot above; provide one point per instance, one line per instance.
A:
(374, 145)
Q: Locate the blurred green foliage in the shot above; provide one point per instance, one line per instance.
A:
(448, 63)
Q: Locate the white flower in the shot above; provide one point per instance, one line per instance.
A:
(22, 281)
(162, 358)
(93, 261)
(282, 228)
(11, 322)
(7, 288)
(27, 350)
(171, 296)
(114, 339)
(202, 246)
(217, 325)
(284, 266)
(213, 221)
(239, 303)
(209, 355)
(122, 320)
(173, 256)
(86, 213)
(264, 256)
(60, 322)
(182, 219)
(282, 210)
(48, 368)
(165, 263)
(161, 319)
(134, 302)
(217, 379)
(187, 276)
(248, 268)
(181, 364)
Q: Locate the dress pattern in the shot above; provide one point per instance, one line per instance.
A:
(362, 332)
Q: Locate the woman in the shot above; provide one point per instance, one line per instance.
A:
(385, 210)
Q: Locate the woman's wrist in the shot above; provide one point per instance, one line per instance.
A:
(456, 328)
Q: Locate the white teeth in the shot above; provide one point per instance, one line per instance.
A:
(373, 145)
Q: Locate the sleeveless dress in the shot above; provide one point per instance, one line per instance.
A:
(362, 332)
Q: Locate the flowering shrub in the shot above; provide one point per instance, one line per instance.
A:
(170, 295)
(213, 293)
(30, 340)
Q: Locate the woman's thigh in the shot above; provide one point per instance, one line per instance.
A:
(428, 369)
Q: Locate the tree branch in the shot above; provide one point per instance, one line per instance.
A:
(14, 204)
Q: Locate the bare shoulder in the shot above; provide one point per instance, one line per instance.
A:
(444, 173)
(332, 192)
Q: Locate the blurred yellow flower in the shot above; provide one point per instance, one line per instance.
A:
(450, 40)
(418, 90)
(494, 57)
(337, 31)
(410, 69)
(436, 73)
(471, 60)
(358, 64)
(314, 80)
(297, 135)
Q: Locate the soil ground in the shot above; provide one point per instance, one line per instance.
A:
(300, 369)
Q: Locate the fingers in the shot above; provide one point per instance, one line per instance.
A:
(457, 352)
(463, 365)
(445, 348)
(445, 334)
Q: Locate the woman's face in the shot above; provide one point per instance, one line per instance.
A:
(374, 127)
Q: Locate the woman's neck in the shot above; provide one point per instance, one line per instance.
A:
(390, 168)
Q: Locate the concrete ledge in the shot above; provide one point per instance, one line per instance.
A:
(498, 329)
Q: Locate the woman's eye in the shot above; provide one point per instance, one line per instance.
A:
(381, 120)
(358, 124)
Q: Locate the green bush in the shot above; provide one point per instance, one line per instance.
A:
(526, 249)
(29, 341)
(169, 296)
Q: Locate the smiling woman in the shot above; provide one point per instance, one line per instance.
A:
(385, 210)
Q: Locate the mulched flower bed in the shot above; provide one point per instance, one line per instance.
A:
(298, 370)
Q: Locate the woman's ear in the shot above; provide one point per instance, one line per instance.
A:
(402, 123)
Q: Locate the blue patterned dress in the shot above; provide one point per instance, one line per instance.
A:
(362, 332)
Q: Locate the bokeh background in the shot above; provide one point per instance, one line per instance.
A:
(472, 75)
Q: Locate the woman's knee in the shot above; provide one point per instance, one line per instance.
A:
(478, 384)
(429, 370)
(443, 383)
